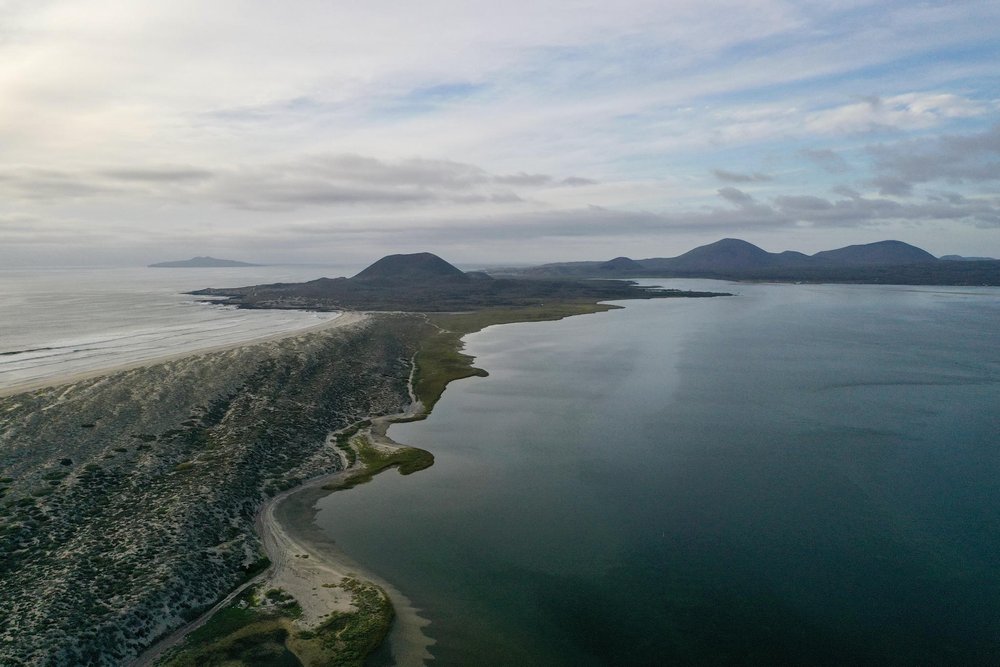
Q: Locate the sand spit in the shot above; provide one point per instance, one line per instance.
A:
(288, 526)
(344, 319)
(129, 500)
(308, 565)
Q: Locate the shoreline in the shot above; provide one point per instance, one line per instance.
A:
(289, 525)
(306, 562)
(285, 523)
(344, 319)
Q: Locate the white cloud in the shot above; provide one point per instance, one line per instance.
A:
(231, 117)
(910, 111)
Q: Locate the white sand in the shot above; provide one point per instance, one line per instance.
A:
(344, 319)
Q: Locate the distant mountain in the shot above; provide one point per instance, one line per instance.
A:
(883, 253)
(416, 266)
(424, 282)
(727, 254)
(200, 263)
(621, 265)
(884, 262)
(960, 258)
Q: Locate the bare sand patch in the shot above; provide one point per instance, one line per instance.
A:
(344, 319)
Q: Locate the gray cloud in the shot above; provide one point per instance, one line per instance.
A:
(949, 158)
(345, 180)
(577, 181)
(802, 203)
(783, 213)
(49, 184)
(736, 177)
(892, 186)
(524, 179)
(159, 174)
(827, 159)
(845, 191)
(862, 210)
(735, 196)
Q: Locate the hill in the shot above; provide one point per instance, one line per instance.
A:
(883, 253)
(200, 263)
(416, 266)
(621, 265)
(727, 254)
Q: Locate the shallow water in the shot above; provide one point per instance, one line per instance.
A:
(56, 322)
(800, 474)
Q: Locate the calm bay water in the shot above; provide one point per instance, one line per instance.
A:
(800, 474)
(55, 322)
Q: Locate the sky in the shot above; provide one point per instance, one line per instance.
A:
(516, 132)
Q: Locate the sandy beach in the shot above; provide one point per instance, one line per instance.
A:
(57, 379)
(307, 564)
(288, 529)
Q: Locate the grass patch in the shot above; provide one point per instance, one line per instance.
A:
(347, 638)
(407, 460)
(343, 440)
(246, 634)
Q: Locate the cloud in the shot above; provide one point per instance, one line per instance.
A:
(857, 211)
(827, 159)
(524, 179)
(735, 196)
(845, 191)
(465, 114)
(595, 222)
(315, 180)
(736, 177)
(954, 158)
(577, 181)
(159, 174)
(909, 111)
(802, 203)
(892, 186)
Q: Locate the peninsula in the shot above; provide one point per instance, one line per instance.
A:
(153, 503)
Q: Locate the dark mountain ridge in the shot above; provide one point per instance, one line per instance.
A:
(883, 262)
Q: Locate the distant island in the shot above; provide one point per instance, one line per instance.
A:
(200, 263)
(423, 282)
(884, 262)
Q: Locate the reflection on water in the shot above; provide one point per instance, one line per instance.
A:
(801, 474)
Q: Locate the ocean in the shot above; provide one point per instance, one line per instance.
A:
(57, 322)
(799, 474)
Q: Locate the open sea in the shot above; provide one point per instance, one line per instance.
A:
(799, 474)
(55, 322)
